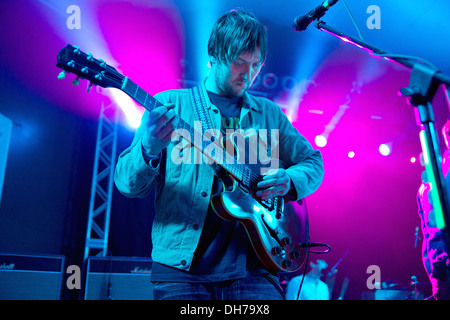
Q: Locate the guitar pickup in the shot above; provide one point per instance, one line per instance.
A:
(243, 187)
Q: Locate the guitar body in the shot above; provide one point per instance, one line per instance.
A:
(275, 238)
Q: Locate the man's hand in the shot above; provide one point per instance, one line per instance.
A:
(161, 122)
(274, 183)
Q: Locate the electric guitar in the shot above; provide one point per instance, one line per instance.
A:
(277, 230)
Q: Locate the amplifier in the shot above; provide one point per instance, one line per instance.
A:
(118, 278)
(30, 277)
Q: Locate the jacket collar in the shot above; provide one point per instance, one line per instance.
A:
(248, 100)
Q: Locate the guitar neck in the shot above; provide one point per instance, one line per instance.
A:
(241, 172)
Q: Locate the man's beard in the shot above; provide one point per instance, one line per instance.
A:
(227, 89)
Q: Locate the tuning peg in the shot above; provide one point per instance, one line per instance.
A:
(99, 76)
(76, 81)
(62, 75)
(89, 57)
(89, 87)
(71, 63)
(102, 63)
(76, 50)
(85, 70)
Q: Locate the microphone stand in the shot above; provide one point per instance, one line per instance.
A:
(424, 82)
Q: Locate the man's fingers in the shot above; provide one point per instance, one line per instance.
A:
(269, 193)
(165, 132)
(159, 112)
(156, 127)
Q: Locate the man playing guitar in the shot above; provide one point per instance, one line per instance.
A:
(197, 254)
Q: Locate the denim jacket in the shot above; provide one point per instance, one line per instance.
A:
(183, 190)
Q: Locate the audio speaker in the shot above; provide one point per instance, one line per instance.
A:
(118, 278)
(30, 277)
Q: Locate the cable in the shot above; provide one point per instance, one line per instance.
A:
(316, 244)
(311, 245)
(304, 275)
(353, 20)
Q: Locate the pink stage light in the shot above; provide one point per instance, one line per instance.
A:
(320, 141)
(384, 149)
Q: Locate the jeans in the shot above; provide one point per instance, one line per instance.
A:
(263, 287)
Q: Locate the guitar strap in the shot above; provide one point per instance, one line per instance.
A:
(199, 105)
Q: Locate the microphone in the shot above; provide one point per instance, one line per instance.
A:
(302, 22)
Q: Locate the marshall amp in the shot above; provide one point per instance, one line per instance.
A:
(30, 277)
(118, 278)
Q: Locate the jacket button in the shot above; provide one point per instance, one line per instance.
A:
(204, 194)
(183, 262)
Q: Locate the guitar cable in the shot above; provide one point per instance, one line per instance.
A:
(310, 245)
(316, 244)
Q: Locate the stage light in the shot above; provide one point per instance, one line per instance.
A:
(133, 112)
(351, 154)
(320, 141)
(384, 149)
(413, 159)
(288, 83)
(270, 80)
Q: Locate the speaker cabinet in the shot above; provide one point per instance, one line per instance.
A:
(30, 277)
(118, 278)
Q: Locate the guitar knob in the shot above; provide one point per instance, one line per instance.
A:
(276, 250)
(76, 81)
(286, 240)
(287, 263)
(296, 254)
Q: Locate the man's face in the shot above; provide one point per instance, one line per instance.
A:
(235, 78)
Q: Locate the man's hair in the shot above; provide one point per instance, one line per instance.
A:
(234, 33)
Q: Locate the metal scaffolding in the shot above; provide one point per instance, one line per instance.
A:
(96, 243)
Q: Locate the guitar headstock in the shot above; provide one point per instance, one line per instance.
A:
(85, 66)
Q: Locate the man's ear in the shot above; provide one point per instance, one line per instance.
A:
(212, 61)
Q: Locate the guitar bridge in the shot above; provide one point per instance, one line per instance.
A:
(269, 203)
